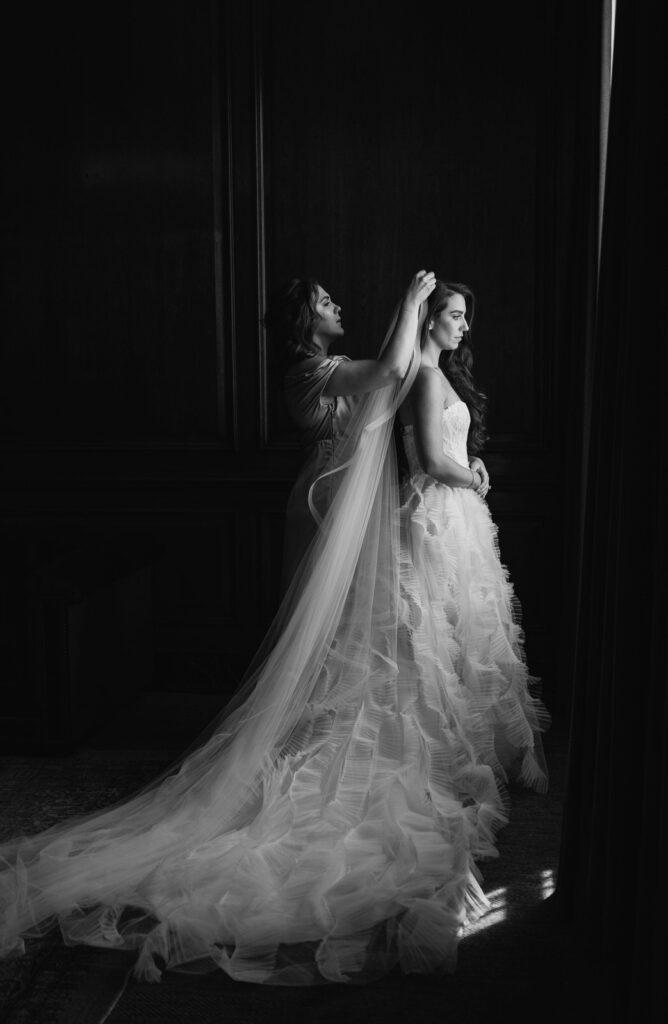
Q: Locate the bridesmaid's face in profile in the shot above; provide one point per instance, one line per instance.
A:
(449, 324)
(330, 326)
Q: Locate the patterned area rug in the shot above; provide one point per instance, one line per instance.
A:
(53, 983)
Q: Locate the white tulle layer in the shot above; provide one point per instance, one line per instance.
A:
(463, 623)
(362, 848)
(359, 852)
(328, 828)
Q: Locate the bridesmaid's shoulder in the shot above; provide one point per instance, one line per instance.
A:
(312, 363)
(304, 366)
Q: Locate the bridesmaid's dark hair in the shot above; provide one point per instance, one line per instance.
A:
(291, 320)
(457, 363)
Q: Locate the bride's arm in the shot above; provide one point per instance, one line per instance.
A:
(476, 464)
(426, 398)
(357, 376)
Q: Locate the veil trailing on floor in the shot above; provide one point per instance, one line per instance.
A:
(334, 637)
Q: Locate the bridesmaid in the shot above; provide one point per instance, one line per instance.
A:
(303, 322)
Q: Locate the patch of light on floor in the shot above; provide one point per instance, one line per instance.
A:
(493, 915)
(498, 910)
(491, 918)
(547, 883)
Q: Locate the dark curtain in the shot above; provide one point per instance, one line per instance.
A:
(573, 169)
(614, 840)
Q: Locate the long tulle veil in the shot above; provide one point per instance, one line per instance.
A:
(334, 635)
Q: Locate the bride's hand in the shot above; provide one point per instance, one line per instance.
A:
(478, 466)
(420, 288)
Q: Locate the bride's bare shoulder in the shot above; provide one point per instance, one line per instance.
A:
(429, 385)
(427, 388)
(430, 374)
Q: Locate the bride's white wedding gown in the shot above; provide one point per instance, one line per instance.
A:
(463, 616)
(357, 852)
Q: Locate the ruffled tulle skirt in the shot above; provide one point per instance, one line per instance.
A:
(463, 627)
(358, 853)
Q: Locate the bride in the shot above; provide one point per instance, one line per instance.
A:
(327, 827)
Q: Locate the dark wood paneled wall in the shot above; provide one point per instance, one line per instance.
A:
(393, 143)
(168, 165)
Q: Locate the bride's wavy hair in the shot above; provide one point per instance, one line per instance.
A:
(291, 319)
(457, 363)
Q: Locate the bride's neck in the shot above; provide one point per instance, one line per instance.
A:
(430, 355)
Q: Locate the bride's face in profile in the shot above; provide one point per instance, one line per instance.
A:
(330, 326)
(447, 327)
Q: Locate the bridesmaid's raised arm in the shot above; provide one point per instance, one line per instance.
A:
(357, 376)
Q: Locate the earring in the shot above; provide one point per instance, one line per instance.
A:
(431, 326)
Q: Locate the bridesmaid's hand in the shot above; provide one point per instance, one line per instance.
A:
(420, 288)
(478, 466)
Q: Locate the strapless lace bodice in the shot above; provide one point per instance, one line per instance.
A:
(455, 428)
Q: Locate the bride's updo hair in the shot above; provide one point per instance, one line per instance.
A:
(457, 363)
(291, 320)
